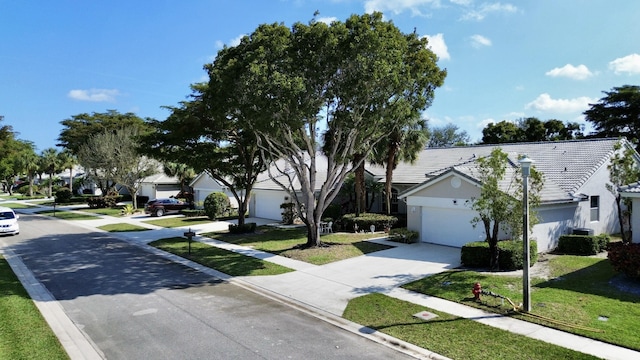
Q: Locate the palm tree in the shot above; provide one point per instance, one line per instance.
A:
(183, 172)
(29, 163)
(50, 164)
(68, 161)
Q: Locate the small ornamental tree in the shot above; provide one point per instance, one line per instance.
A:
(216, 204)
(499, 205)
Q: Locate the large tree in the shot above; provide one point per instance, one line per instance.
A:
(315, 81)
(617, 114)
(50, 165)
(499, 204)
(208, 134)
(77, 129)
(530, 129)
(623, 170)
(113, 157)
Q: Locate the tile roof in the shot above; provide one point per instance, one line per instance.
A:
(566, 165)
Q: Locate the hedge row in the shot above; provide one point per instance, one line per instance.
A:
(625, 258)
(510, 254)
(365, 220)
(582, 244)
(247, 228)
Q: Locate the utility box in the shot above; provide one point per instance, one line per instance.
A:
(582, 231)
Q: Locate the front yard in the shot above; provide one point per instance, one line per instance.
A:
(289, 243)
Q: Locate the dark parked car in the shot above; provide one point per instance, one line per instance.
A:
(159, 207)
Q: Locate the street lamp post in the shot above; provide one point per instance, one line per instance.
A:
(525, 164)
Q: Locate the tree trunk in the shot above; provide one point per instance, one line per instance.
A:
(242, 208)
(360, 188)
(494, 263)
(30, 185)
(624, 234)
(391, 159)
(50, 184)
(313, 235)
(71, 180)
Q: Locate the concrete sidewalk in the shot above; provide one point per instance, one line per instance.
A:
(328, 288)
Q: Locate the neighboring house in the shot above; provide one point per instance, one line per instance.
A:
(574, 193)
(159, 186)
(203, 185)
(632, 191)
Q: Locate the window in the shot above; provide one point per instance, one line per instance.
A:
(595, 208)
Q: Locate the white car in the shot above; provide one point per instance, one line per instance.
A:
(8, 222)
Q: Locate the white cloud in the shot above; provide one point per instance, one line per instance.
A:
(478, 14)
(236, 41)
(579, 72)
(483, 124)
(219, 44)
(95, 95)
(438, 46)
(399, 6)
(478, 41)
(545, 103)
(629, 64)
(327, 20)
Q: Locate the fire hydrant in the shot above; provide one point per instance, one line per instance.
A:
(477, 290)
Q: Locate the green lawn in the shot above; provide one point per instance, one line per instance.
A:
(67, 215)
(122, 227)
(448, 335)
(17, 205)
(24, 334)
(173, 222)
(289, 242)
(579, 294)
(228, 262)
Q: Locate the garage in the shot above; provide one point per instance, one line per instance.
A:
(265, 204)
(451, 227)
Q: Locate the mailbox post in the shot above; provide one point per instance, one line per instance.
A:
(190, 234)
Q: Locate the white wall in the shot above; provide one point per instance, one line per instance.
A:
(608, 222)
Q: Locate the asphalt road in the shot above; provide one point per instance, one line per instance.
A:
(136, 305)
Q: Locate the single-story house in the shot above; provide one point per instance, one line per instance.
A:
(203, 185)
(574, 196)
(632, 191)
(159, 186)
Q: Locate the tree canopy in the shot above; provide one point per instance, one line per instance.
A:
(530, 129)
(77, 129)
(617, 114)
(447, 136)
(322, 88)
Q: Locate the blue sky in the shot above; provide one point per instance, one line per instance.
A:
(505, 59)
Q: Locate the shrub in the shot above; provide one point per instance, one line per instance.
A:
(289, 213)
(365, 220)
(403, 235)
(625, 258)
(582, 244)
(510, 254)
(193, 212)
(63, 195)
(242, 229)
(101, 202)
(216, 204)
(128, 209)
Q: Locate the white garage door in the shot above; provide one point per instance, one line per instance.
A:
(268, 204)
(450, 227)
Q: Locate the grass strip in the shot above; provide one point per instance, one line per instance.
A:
(173, 222)
(290, 243)
(228, 262)
(448, 335)
(24, 334)
(67, 215)
(17, 205)
(122, 227)
(579, 293)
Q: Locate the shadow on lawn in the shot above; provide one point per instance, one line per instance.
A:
(598, 279)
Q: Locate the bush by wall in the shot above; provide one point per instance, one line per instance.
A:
(193, 212)
(625, 258)
(216, 204)
(582, 244)
(63, 195)
(403, 235)
(365, 220)
(510, 254)
(289, 213)
(101, 202)
(242, 229)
